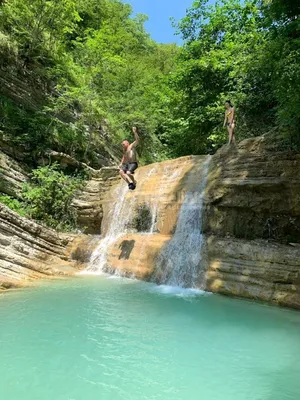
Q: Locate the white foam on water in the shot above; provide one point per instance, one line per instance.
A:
(87, 272)
(122, 279)
(178, 291)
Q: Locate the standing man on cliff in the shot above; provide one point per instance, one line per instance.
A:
(129, 161)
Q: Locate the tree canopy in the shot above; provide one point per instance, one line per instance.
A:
(246, 51)
(95, 66)
(92, 71)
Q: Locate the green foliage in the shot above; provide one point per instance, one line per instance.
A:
(49, 197)
(95, 65)
(14, 204)
(242, 50)
(39, 26)
(96, 72)
(8, 49)
(77, 74)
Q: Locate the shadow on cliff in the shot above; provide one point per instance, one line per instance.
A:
(126, 249)
(252, 193)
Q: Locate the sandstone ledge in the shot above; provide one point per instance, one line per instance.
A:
(134, 255)
(30, 251)
(254, 269)
(253, 193)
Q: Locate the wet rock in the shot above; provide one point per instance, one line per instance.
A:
(134, 255)
(251, 222)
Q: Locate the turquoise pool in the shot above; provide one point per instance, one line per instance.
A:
(106, 338)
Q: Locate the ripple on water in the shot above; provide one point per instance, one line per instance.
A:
(97, 338)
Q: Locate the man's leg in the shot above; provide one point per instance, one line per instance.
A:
(124, 176)
(131, 177)
(130, 173)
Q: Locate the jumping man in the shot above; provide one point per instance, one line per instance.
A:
(129, 161)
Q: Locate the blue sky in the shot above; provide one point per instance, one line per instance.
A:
(159, 13)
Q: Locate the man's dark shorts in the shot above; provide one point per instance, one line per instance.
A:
(131, 167)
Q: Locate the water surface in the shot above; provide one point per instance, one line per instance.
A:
(99, 338)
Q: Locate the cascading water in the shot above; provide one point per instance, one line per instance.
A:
(120, 215)
(179, 263)
(127, 216)
(119, 218)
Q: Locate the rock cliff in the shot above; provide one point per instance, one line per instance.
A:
(30, 251)
(13, 175)
(89, 203)
(254, 269)
(252, 223)
(253, 192)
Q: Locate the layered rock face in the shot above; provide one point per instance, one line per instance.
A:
(13, 175)
(140, 224)
(254, 192)
(89, 203)
(254, 269)
(30, 251)
(27, 250)
(252, 223)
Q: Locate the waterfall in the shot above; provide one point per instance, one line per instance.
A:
(119, 215)
(179, 263)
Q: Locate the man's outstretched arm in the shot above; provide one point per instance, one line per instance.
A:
(136, 136)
